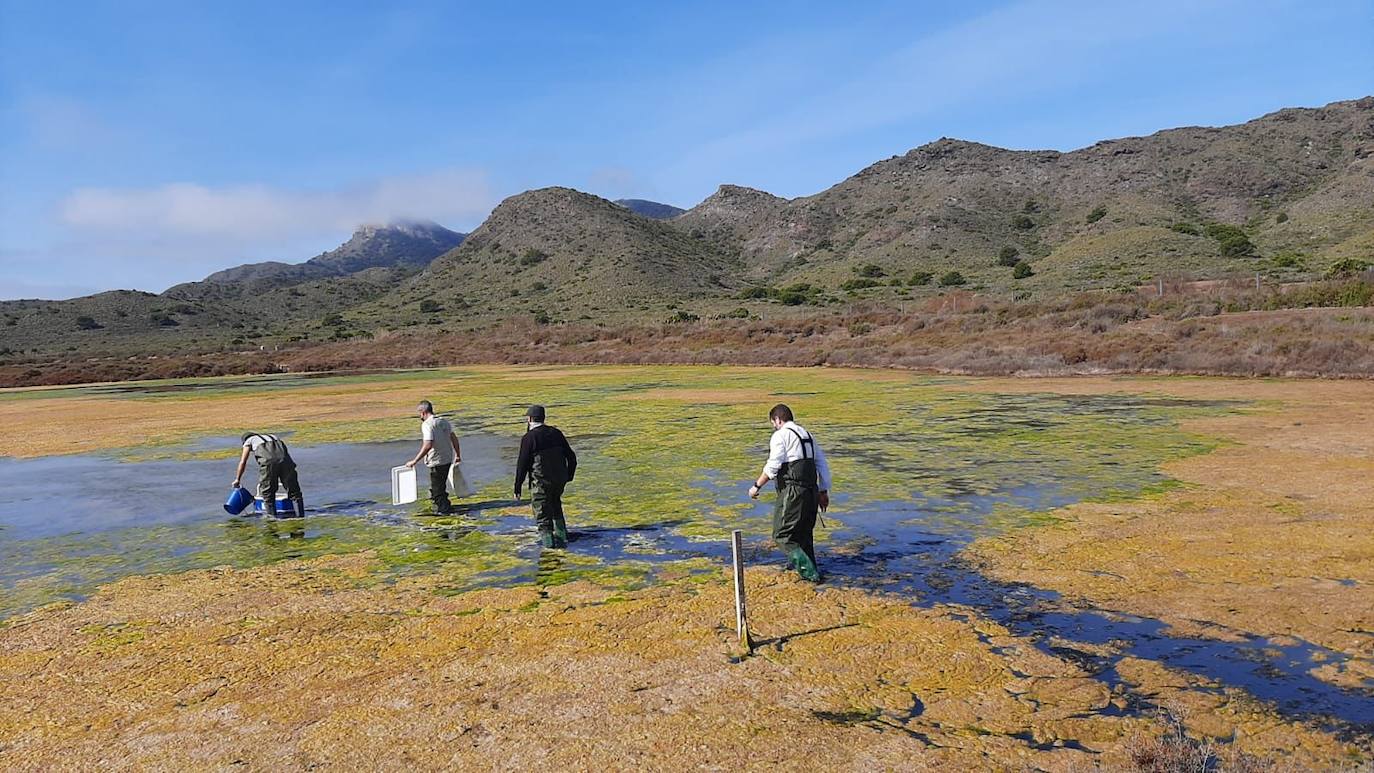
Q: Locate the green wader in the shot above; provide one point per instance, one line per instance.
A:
(276, 467)
(548, 478)
(794, 516)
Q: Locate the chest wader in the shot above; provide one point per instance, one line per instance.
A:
(794, 513)
(276, 467)
(548, 477)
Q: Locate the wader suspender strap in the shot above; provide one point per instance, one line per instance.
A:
(804, 441)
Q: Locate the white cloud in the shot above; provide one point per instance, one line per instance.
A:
(253, 214)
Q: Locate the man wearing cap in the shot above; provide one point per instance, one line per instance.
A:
(798, 465)
(439, 449)
(275, 467)
(550, 462)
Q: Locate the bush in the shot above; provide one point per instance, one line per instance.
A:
(1097, 214)
(754, 293)
(1344, 269)
(1008, 256)
(1289, 259)
(920, 278)
(87, 323)
(683, 316)
(428, 306)
(542, 317)
(1232, 241)
(1185, 228)
(869, 270)
(334, 320)
(538, 287)
(1282, 217)
(533, 257)
(859, 284)
(163, 319)
(1022, 223)
(1022, 271)
(739, 313)
(952, 278)
(857, 329)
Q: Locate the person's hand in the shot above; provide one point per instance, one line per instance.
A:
(457, 461)
(410, 464)
(823, 500)
(235, 483)
(753, 492)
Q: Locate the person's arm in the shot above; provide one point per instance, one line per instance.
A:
(523, 462)
(243, 463)
(776, 453)
(457, 452)
(568, 455)
(823, 473)
(424, 449)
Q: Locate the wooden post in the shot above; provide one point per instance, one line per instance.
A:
(741, 613)
(1161, 287)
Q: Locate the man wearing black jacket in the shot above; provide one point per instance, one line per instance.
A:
(550, 462)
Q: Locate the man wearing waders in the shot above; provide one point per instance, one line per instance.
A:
(798, 465)
(439, 449)
(550, 462)
(275, 466)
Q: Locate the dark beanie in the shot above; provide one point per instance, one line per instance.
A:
(536, 412)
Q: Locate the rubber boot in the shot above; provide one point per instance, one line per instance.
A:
(546, 538)
(269, 507)
(299, 503)
(560, 532)
(806, 568)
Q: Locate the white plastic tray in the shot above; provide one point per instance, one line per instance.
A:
(403, 490)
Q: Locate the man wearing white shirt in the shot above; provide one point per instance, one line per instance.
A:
(798, 465)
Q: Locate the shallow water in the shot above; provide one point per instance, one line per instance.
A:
(659, 488)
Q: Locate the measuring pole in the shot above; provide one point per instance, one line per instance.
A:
(741, 614)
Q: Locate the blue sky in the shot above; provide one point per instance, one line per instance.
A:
(148, 143)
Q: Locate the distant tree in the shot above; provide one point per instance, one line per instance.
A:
(1022, 270)
(87, 323)
(1097, 214)
(1007, 256)
(952, 278)
(1231, 240)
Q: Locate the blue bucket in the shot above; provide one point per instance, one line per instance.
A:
(239, 498)
(284, 506)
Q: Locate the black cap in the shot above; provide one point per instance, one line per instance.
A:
(535, 412)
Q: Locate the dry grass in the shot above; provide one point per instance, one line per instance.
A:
(1319, 329)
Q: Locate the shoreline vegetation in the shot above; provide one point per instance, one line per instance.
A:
(1316, 330)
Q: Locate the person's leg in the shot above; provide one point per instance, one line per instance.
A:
(543, 514)
(791, 528)
(806, 536)
(293, 490)
(267, 489)
(438, 489)
(560, 526)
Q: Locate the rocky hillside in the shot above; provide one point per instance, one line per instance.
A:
(1297, 184)
(565, 254)
(1283, 196)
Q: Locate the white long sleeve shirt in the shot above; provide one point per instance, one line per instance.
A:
(785, 446)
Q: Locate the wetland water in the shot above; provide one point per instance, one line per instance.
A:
(660, 484)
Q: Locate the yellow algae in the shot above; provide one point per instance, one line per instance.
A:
(296, 665)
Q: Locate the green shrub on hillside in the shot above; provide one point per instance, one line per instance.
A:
(1185, 228)
(952, 278)
(87, 323)
(683, 316)
(869, 270)
(1231, 239)
(533, 257)
(430, 306)
(1022, 271)
(1022, 223)
(1282, 217)
(1008, 256)
(1097, 214)
(1344, 269)
(1289, 259)
(920, 278)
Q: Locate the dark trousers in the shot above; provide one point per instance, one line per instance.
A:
(546, 499)
(438, 489)
(279, 474)
(794, 519)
